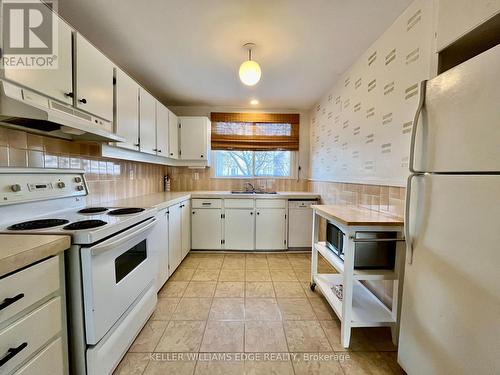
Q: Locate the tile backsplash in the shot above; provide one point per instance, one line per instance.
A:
(185, 179)
(387, 199)
(107, 179)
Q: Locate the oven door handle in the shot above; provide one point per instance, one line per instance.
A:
(124, 237)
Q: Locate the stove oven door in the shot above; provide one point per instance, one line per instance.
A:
(115, 272)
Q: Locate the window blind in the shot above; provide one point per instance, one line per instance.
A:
(255, 131)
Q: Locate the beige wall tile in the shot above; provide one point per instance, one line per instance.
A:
(35, 142)
(18, 157)
(35, 159)
(17, 138)
(4, 156)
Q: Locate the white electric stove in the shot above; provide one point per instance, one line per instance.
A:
(110, 268)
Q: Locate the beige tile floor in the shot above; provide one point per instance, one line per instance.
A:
(251, 314)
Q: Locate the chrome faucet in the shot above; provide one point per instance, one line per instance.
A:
(249, 184)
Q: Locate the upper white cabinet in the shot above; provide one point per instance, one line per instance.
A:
(94, 80)
(147, 122)
(56, 83)
(457, 17)
(127, 110)
(194, 138)
(173, 135)
(162, 117)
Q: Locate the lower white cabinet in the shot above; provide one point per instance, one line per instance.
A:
(159, 247)
(206, 229)
(174, 215)
(171, 239)
(270, 229)
(50, 361)
(32, 320)
(186, 227)
(239, 229)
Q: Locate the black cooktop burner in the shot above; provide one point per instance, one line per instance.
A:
(126, 211)
(92, 210)
(38, 224)
(85, 224)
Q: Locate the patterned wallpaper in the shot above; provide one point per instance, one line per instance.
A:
(360, 130)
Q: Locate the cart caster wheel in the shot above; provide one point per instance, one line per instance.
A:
(312, 286)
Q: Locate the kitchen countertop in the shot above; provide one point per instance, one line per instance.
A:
(278, 195)
(166, 199)
(348, 215)
(157, 200)
(21, 250)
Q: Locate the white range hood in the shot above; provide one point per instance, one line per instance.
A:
(20, 107)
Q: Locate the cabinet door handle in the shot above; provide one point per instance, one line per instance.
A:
(154, 149)
(158, 150)
(258, 213)
(68, 94)
(251, 213)
(171, 154)
(83, 101)
(194, 212)
(202, 156)
(9, 301)
(137, 144)
(11, 353)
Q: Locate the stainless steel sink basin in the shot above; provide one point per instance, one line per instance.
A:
(252, 192)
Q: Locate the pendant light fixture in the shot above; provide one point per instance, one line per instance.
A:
(250, 70)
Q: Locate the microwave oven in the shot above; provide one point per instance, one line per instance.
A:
(367, 255)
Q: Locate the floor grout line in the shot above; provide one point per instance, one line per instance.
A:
(296, 268)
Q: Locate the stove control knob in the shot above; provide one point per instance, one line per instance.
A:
(15, 188)
(61, 185)
(78, 180)
(79, 187)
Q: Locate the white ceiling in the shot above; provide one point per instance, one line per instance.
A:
(187, 52)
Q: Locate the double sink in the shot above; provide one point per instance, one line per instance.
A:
(252, 192)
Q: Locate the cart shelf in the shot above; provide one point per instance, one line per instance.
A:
(359, 306)
(335, 262)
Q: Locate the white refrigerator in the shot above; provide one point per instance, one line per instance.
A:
(450, 318)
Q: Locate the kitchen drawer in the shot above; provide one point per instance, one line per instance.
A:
(206, 203)
(50, 361)
(238, 203)
(34, 331)
(270, 203)
(28, 286)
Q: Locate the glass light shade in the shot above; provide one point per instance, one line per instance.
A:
(250, 73)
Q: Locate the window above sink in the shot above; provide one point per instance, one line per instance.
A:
(253, 164)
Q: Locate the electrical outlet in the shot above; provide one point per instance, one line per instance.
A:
(196, 176)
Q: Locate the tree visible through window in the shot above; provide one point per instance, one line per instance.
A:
(253, 164)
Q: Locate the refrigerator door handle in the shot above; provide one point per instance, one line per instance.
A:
(421, 103)
(409, 244)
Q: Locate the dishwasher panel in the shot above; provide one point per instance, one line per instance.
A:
(300, 223)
